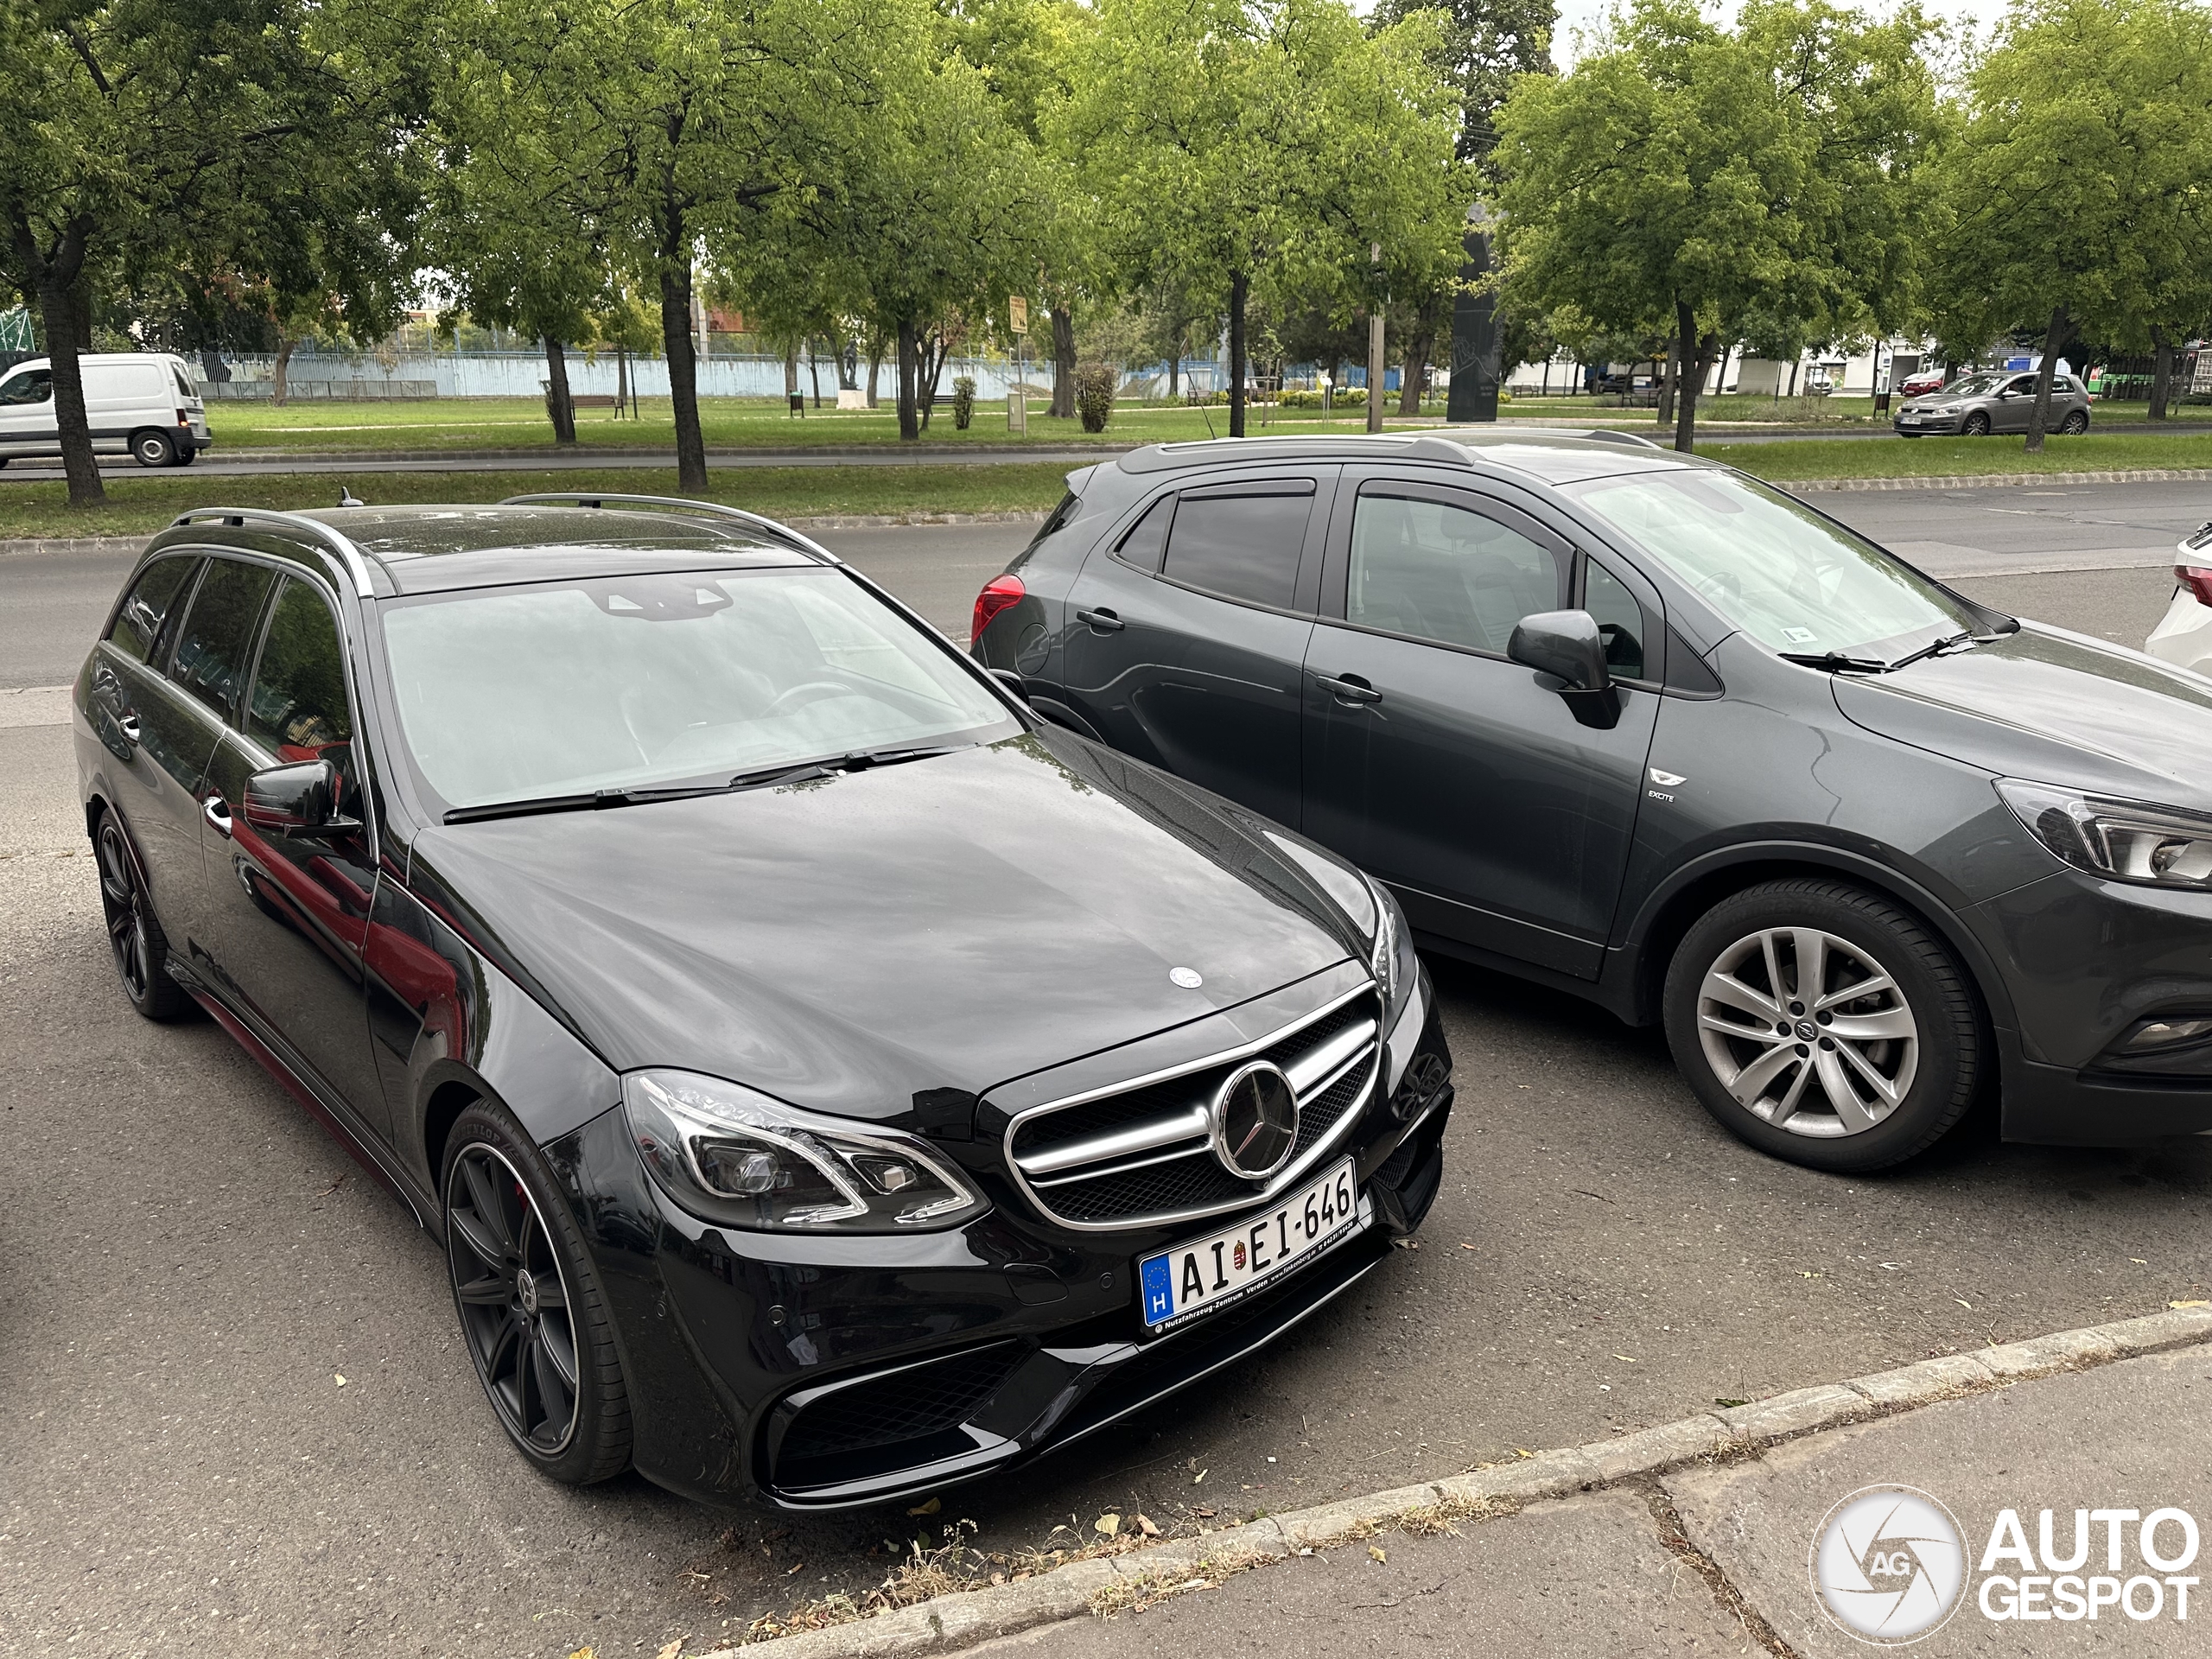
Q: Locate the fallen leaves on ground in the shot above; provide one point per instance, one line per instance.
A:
(929, 1507)
(1108, 1525)
(1376, 1553)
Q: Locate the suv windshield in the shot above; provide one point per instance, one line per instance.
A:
(635, 682)
(1776, 568)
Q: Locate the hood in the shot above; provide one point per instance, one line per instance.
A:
(850, 943)
(2056, 706)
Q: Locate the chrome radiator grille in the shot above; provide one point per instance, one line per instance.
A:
(1143, 1153)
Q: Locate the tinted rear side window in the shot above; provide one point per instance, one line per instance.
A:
(1147, 539)
(138, 624)
(1242, 546)
(217, 638)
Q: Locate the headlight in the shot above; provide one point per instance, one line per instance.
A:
(2124, 840)
(728, 1154)
(1391, 958)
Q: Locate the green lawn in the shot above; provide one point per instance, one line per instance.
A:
(729, 424)
(138, 506)
(1817, 458)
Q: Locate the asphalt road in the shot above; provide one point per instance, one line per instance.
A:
(188, 1267)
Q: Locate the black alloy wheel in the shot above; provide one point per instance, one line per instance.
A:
(1823, 1025)
(133, 934)
(1976, 425)
(2076, 421)
(529, 1308)
(153, 449)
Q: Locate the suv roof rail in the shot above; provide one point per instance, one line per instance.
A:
(1614, 435)
(782, 533)
(313, 530)
(1160, 457)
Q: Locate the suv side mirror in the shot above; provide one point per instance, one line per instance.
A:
(1567, 647)
(1011, 680)
(299, 800)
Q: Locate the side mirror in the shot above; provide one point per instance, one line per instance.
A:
(1569, 648)
(301, 799)
(1011, 680)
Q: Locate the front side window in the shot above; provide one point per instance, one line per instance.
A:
(31, 386)
(297, 708)
(138, 624)
(644, 681)
(1241, 545)
(218, 633)
(1438, 571)
(1773, 567)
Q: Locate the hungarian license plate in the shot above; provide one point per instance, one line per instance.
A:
(1201, 1275)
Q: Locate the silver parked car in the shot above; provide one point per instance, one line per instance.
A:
(1978, 404)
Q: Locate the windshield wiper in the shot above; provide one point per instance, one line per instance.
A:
(1966, 638)
(598, 800)
(1835, 660)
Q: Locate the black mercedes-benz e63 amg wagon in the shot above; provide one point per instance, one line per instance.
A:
(829, 1080)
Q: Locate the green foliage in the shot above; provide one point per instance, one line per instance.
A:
(1485, 45)
(1095, 383)
(964, 402)
(1342, 398)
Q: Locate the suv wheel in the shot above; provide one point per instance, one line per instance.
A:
(531, 1315)
(1823, 1025)
(1976, 424)
(153, 449)
(2077, 420)
(134, 935)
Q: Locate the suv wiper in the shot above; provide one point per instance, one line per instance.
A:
(1966, 638)
(1835, 660)
(598, 800)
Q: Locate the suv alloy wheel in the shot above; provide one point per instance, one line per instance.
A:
(1823, 1025)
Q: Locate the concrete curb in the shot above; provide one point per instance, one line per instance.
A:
(947, 1623)
(1994, 481)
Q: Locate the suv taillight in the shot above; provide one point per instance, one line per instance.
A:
(998, 593)
(2196, 579)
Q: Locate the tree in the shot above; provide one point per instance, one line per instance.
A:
(139, 140)
(2078, 194)
(1688, 176)
(1235, 144)
(1485, 45)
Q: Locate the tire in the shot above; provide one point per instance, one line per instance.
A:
(187, 454)
(2077, 422)
(135, 938)
(507, 1226)
(153, 448)
(1905, 1076)
(1975, 425)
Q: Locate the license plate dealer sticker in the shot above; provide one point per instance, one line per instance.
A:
(1201, 1275)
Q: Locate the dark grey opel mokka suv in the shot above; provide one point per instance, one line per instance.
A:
(1640, 727)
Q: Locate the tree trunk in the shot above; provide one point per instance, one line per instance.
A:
(1796, 362)
(2056, 338)
(874, 366)
(621, 381)
(1670, 375)
(558, 403)
(814, 371)
(57, 307)
(1174, 366)
(790, 369)
(1414, 371)
(1240, 288)
(2162, 374)
(1375, 371)
(683, 368)
(910, 375)
(1063, 363)
(279, 379)
(1695, 357)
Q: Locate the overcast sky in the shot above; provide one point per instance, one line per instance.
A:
(1585, 14)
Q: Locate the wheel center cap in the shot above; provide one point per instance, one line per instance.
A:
(526, 1292)
(1807, 1030)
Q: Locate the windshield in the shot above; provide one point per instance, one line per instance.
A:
(1975, 385)
(641, 681)
(1774, 568)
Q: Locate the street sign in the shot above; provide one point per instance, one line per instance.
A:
(1017, 311)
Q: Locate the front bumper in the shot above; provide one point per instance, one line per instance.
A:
(833, 1373)
(1927, 425)
(2085, 961)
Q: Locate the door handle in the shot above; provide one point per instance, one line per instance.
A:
(1349, 689)
(218, 812)
(127, 723)
(1103, 621)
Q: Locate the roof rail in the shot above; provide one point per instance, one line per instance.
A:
(782, 533)
(356, 562)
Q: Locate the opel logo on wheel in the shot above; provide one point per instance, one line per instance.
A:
(1255, 1119)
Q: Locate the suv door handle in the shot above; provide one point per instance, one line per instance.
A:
(218, 812)
(127, 723)
(1105, 621)
(1349, 689)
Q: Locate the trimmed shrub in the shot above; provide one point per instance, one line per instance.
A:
(963, 401)
(1095, 386)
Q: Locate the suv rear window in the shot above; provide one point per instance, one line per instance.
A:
(138, 624)
(1241, 542)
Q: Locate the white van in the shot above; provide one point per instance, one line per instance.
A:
(140, 404)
